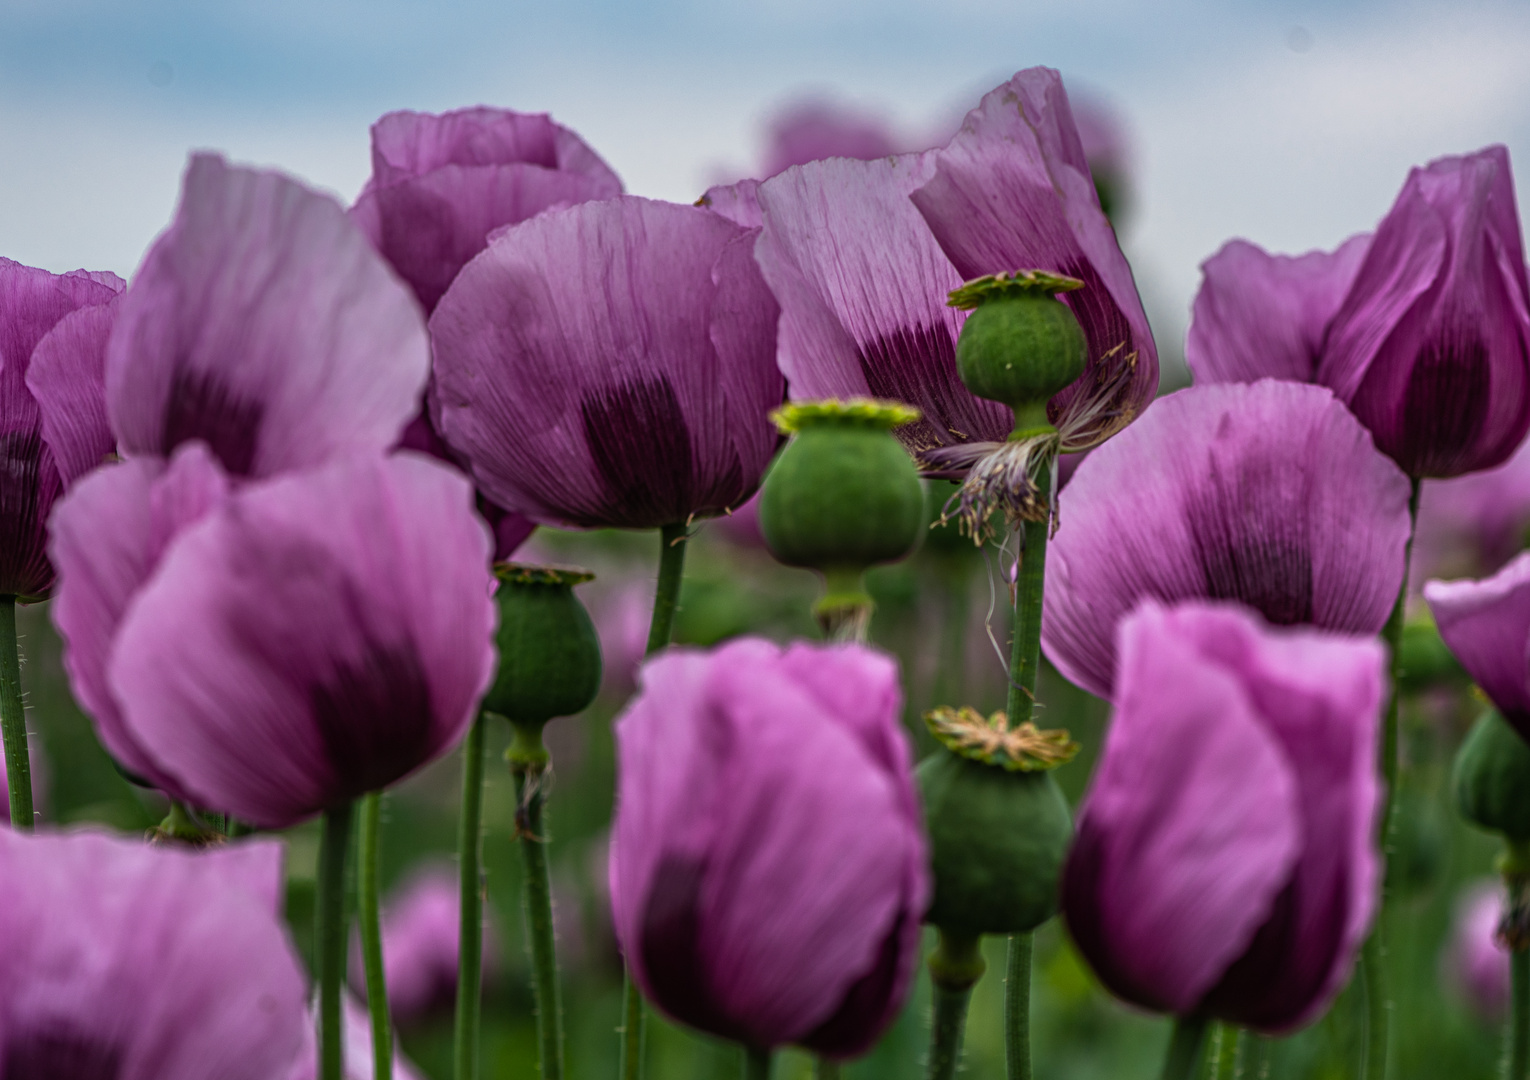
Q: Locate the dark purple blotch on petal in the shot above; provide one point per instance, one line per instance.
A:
(29, 482)
(59, 1054)
(1263, 564)
(671, 944)
(865, 1003)
(374, 718)
(917, 364)
(202, 406)
(1445, 405)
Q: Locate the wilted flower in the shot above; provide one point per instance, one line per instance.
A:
(53, 330)
(263, 323)
(300, 641)
(1226, 492)
(1474, 963)
(767, 867)
(421, 925)
(441, 184)
(1422, 329)
(1487, 625)
(1225, 863)
(133, 962)
(611, 364)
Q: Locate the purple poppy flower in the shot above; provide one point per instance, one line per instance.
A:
(768, 863)
(1487, 625)
(1259, 315)
(814, 130)
(1474, 963)
(304, 641)
(132, 962)
(441, 184)
(510, 530)
(53, 330)
(1422, 329)
(421, 925)
(1226, 492)
(263, 323)
(611, 364)
(1225, 862)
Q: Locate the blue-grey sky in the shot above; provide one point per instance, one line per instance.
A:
(1292, 123)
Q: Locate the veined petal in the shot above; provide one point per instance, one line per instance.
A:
(610, 364)
(315, 638)
(67, 378)
(1259, 315)
(408, 144)
(1012, 191)
(263, 323)
(1226, 492)
(739, 203)
(862, 285)
(1487, 625)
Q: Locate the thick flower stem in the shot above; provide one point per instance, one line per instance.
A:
(330, 938)
(371, 937)
(824, 1069)
(672, 543)
(955, 967)
(13, 720)
(1017, 1007)
(1184, 1052)
(755, 1064)
(1254, 1057)
(470, 947)
(1025, 659)
(1224, 1055)
(1519, 1015)
(1378, 998)
(528, 763)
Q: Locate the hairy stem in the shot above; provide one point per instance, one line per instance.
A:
(370, 918)
(330, 938)
(1184, 1048)
(13, 721)
(528, 763)
(470, 941)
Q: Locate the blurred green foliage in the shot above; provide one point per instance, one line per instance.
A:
(943, 613)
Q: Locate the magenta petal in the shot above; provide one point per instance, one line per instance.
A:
(145, 963)
(1320, 696)
(67, 377)
(1259, 315)
(1226, 492)
(767, 868)
(411, 144)
(1190, 828)
(108, 535)
(862, 286)
(1012, 191)
(263, 323)
(739, 203)
(814, 130)
(1431, 348)
(319, 636)
(1487, 625)
(611, 364)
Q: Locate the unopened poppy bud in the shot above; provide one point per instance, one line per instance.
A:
(843, 497)
(998, 824)
(1021, 344)
(549, 653)
(1492, 778)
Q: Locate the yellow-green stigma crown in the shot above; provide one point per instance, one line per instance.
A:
(992, 741)
(1018, 283)
(794, 416)
(513, 573)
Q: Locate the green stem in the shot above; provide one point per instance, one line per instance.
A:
(1224, 1063)
(330, 938)
(1378, 999)
(371, 937)
(1519, 1015)
(755, 1064)
(1184, 1048)
(1254, 1057)
(528, 763)
(955, 967)
(1017, 1007)
(1025, 659)
(470, 941)
(672, 543)
(824, 1069)
(13, 720)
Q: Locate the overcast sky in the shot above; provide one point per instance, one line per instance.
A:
(1291, 123)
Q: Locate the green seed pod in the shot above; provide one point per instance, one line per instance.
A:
(1021, 344)
(998, 824)
(844, 495)
(549, 654)
(1492, 778)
